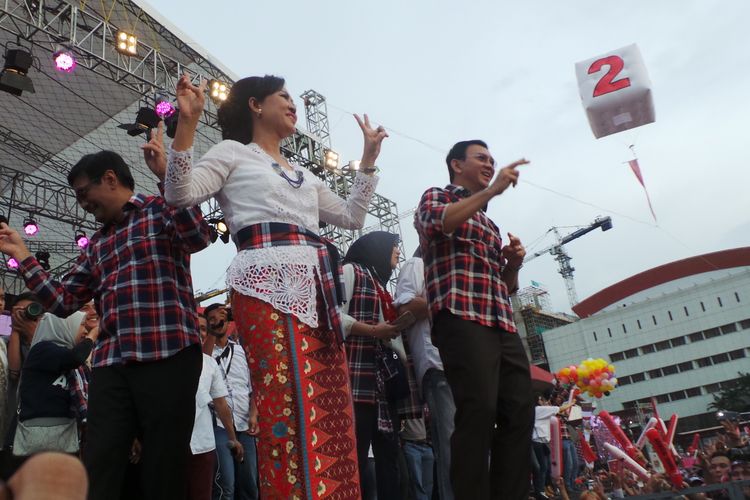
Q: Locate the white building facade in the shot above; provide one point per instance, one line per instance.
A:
(678, 333)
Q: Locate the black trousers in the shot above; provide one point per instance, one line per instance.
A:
(154, 401)
(488, 372)
(385, 448)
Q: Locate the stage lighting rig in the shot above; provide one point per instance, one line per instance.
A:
(12, 263)
(163, 107)
(127, 43)
(145, 120)
(42, 257)
(81, 239)
(14, 77)
(65, 60)
(30, 226)
(218, 91)
(219, 229)
(331, 160)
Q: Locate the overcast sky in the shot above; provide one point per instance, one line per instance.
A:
(435, 72)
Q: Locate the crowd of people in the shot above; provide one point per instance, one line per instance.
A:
(723, 458)
(312, 381)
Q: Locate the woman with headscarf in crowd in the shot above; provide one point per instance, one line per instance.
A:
(46, 420)
(285, 278)
(380, 394)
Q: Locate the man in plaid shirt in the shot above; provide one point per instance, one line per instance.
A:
(147, 361)
(469, 275)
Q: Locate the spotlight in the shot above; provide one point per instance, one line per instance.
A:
(145, 120)
(30, 226)
(221, 230)
(81, 239)
(127, 43)
(331, 159)
(42, 257)
(170, 123)
(65, 60)
(218, 90)
(12, 263)
(213, 234)
(14, 78)
(354, 165)
(163, 107)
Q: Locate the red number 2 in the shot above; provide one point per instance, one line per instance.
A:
(605, 85)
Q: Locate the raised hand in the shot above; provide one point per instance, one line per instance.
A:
(154, 153)
(373, 139)
(190, 99)
(11, 243)
(507, 176)
(514, 252)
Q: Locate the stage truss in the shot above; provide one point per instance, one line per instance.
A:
(43, 134)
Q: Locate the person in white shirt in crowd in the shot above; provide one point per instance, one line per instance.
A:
(234, 480)
(202, 462)
(540, 439)
(428, 367)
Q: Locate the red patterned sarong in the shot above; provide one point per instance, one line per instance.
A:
(306, 446)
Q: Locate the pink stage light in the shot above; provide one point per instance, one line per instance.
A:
(12, 263)
(65, 61)
(164, 109)
(30, 227)
(81, 239)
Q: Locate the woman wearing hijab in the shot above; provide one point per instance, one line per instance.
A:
(46, 416)
(285, 278)
(368, 314)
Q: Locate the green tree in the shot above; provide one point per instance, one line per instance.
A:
(736, 397)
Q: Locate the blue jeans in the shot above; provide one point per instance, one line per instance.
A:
(420, 460)
(541, 454)
(439, 398)
(235, 480)
(570, 463)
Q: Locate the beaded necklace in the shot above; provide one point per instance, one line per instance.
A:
(295, 183)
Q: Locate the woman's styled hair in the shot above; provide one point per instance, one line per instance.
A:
(235, 116)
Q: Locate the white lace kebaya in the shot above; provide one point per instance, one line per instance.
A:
(249, 191)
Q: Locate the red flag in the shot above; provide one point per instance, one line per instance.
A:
(637, 171)
(588, 454)
(696, 442)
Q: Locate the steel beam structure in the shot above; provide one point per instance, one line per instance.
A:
(48, 24)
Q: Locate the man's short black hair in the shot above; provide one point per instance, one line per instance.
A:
(94, 166)
(31, 297)
(212, 307)
(458, 152)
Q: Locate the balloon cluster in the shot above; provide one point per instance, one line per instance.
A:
(595, 377)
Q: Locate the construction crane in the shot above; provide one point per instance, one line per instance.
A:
(562, 257)
(210, 294)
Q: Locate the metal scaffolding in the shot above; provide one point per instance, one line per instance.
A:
(43, 134)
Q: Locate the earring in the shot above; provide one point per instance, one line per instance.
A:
(260, 112)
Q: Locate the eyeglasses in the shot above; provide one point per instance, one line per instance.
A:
(82, 191)
(483, 158)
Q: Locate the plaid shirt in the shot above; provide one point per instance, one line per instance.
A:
(364, 306)
(463, 269)
(138, 272)
(363, 352)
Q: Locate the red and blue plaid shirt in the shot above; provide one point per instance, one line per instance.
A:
(364, 354)
(463, 269)
(138, 273)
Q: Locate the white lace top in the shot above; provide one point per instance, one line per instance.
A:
(250, 191)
